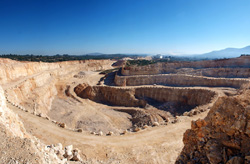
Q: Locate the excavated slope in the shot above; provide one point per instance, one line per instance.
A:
(223, 136)
(140, 96)
(16, 145)
(33, 84)
(13, 70)
(178, 80)
(160, 68)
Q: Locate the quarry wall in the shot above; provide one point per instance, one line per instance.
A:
(11, 70)
(135, 96)
(227, 72)
(35, 94)
(167, 67)
(215, 72)
(17, 145)
(9, 119)
(178, 80)
(33, 84)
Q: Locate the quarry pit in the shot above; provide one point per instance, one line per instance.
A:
(145, 109)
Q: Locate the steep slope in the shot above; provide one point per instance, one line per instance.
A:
(223, 136)
(32, 85)
(16, 145)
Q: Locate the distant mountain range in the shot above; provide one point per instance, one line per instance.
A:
(219, 54)
(225, 53)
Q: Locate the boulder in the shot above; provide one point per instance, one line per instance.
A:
(235, 160)
(110, 133)
(76, 155)
(79, 130)
(62, 125)
(156, 124)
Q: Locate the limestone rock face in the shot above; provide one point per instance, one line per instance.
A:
(136, 97)
(36, 93)
(17, 146)
(11, 70)
(184, 99)
(9, 119)
(223, 136)
(178, 80)
(35, 82)
(169, 67)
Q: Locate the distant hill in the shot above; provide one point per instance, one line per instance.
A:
(225, 53)
(95, 53)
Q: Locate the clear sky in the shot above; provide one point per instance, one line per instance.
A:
(122, 26)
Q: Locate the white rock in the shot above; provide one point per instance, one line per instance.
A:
(156, 124)
(59, 145)
(69, 147)
(100, 133)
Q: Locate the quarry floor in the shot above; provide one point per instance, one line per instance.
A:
(153, 145)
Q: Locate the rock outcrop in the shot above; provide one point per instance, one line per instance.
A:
(223, 136)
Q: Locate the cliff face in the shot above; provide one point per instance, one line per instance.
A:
(35, 94)
(33, 86)
(9, 119)
(223, 136)
(109, 95)
(178, 80)
(159, 68)
(13, 70)
(217, 72)
(17, 146)
(137, 96)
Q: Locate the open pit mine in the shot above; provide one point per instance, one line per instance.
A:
(168, 112)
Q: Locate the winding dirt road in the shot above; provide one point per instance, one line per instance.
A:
(161, 144)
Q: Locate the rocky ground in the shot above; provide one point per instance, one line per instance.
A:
(223, 136)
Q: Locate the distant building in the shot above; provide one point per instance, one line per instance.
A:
(158, 56)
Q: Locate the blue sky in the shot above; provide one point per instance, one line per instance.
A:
(122, 26)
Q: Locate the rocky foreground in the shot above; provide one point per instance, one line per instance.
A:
(223, 136)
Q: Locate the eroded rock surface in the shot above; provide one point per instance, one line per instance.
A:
(223, 136)
(137, 96)
(179, 80)
(172, 67)
(16, 145)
